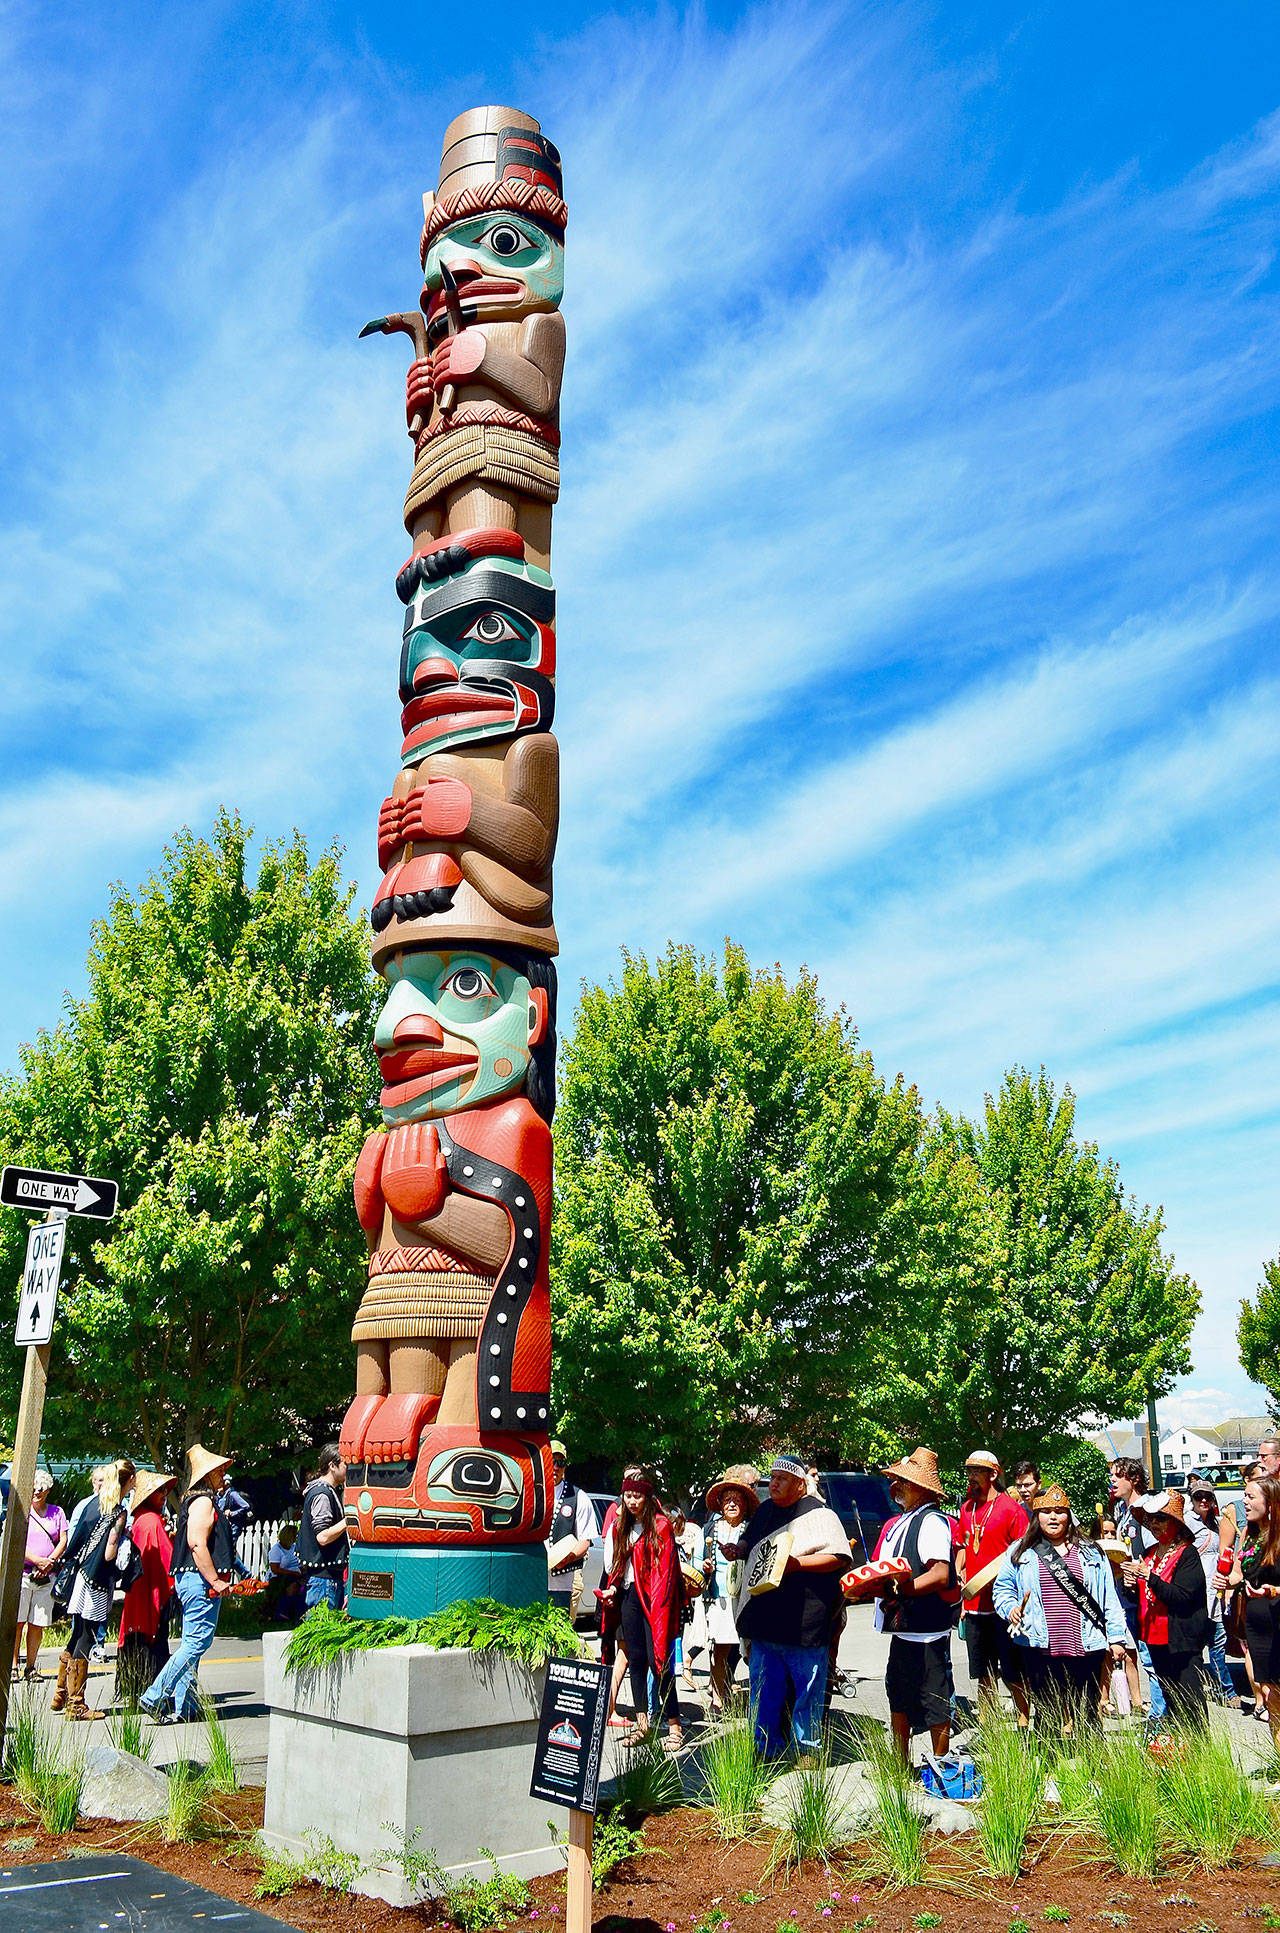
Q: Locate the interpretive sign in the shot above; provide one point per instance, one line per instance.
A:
(566, 1759)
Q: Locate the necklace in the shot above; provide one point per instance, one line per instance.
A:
(977, 1526)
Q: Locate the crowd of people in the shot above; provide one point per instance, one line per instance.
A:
(1135, 1608)
(175, 1560)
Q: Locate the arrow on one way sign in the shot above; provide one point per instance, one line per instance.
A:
(38, 1303)
(43, 1188)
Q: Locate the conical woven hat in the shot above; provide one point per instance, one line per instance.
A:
(921, 1468)
(148, 1482)
(204, 1462)
(738, 1476)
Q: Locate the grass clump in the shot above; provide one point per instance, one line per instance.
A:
(130, 1732)
(897, 1834)
(810, 1819)
(1013, 1781)
(281, 1872)
(223, 1766)
(46, 1770)
(1125, 1803)
(1208, 1807)
(647, 1779)
(734, 1777)
(187, 1797)
(529, 1633)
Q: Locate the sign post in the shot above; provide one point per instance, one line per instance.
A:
(566, 1767)
(59, 1195)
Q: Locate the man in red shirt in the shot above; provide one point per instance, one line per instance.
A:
(990, 1522)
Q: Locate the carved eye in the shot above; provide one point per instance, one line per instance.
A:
(468, 983)
(492, 628)
(503, 239)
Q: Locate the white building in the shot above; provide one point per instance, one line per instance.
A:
(1190, 1450)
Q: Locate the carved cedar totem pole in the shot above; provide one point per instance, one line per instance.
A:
(449, 1482)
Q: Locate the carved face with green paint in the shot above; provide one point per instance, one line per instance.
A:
(457, 1028)
(505, 266)
(479, 657)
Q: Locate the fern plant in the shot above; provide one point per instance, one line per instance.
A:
(529, 1633)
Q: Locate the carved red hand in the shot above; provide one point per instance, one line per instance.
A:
(418, 393)
(390, 830)
(457, 358)
(414, 1178)
(441, 809)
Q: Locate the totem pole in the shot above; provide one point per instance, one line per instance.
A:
(449, 1482)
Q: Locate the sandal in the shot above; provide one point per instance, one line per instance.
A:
(32, 1675)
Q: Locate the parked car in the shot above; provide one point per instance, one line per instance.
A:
(861, 1500)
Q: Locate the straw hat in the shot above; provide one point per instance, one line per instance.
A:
(204, 1462)
(1162, 1503)
(920, 1468)
(982, 1460)
(738, 1476)
(148, 1482)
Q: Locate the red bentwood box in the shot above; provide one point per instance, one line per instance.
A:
(867, 1579)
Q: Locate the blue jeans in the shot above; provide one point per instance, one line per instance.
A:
(771, 1667)
(324, 1590)
(199, 1622)
(1154, 1693)
(1218, 1666)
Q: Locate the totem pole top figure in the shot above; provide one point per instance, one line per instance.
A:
(483, 393)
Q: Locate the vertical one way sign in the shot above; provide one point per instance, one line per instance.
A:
(38, 1303)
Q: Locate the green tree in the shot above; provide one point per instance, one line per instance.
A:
(730, 1215)
(1041, 1293)
(219, 1070)
(1258, 1333)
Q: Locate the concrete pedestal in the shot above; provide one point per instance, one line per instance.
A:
(411, 1738)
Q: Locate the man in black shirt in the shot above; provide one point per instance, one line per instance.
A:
(789, 1626)
(323, 1545)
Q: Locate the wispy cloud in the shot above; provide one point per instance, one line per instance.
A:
(916, 551)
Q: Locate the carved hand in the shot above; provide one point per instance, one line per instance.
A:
(414, 1178)
(457, 358)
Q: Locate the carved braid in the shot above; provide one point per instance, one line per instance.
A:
(490, 414)
(522, 196)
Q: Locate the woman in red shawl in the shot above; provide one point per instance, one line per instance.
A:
(142, 1651)
(645, 1588)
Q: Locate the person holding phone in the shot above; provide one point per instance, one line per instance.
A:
(1257, 1571)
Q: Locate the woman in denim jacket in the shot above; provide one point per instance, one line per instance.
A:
(1057, 1595)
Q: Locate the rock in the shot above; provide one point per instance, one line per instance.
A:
(855, 1804)
(119, 1786)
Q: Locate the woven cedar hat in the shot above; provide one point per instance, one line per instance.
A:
(983, 1460)
(148, 1482)
(738, 1476)
(495, 157)
(1162, 1503)
(1054, 1498)
(920, 1468)
(204, 1463)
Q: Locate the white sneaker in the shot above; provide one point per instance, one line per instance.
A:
(98, 1655)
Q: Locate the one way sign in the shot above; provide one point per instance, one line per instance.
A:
(38, 1303)
(41, 1188)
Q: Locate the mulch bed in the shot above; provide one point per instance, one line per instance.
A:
(685, 1878)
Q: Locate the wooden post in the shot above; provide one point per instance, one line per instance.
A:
(21, 1475)
(577, 1908)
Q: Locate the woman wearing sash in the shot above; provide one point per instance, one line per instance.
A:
(1057, 1595)
(1173, 1611)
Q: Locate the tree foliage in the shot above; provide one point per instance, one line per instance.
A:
(1041, 1292)
(732, 1186)
(219, 1070)
(1258, 1333)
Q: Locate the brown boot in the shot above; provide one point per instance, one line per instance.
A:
(59, 1698)
(76, 1679)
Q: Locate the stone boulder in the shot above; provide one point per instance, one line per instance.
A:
(119, 1786)
(855, 1803)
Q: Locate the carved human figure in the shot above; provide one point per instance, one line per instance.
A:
(455, 1200)
(477, 800)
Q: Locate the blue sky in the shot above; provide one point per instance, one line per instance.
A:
(917, 548)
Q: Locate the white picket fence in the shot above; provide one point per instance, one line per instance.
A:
(255, 1545)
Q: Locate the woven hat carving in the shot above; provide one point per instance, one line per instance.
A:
(920, 1468)
(738, 1476)
(204, 1462)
